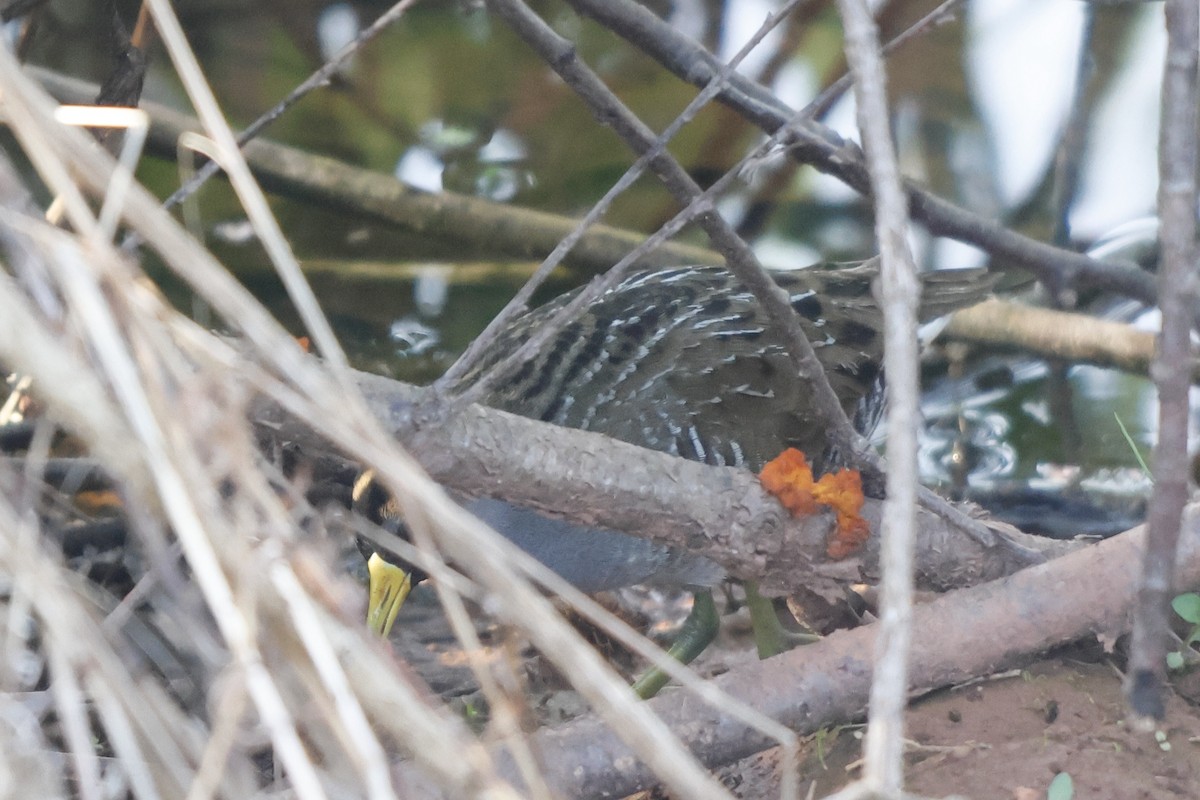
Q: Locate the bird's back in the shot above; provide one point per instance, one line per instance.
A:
(685, 361)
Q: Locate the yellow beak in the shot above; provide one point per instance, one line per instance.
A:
(389, 586)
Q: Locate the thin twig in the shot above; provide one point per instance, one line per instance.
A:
(248, 190)
(819, 106)
(317, 80)
(1072, 145)
(500, 229)
(824, 149)
(901, 295)
(561, 55)
(366, 749)
(648, 156)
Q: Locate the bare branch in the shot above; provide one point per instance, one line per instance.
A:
(958, 636)
(317, 80)
(1178, 295)
(646, 157)
(720, 512)
(901, 294)
(561, 55)
(495, 228)
(817, 145)
(1072, 337)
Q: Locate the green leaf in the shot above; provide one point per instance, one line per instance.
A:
(1133, 446)
(1175, 660)
(1188, 606)
(1061, 788)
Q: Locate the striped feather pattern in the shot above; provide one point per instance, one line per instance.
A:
(685, 361)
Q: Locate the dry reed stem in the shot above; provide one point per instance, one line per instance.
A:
(163, 404)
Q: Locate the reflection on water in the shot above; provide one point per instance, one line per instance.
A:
(1010, 448)
(413, 337)
(970, 448)
(450, 99)
(338, 24)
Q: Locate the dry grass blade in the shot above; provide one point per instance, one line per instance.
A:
(166, 412)
(182, 465)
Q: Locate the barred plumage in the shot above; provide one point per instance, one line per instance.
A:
(685, 361)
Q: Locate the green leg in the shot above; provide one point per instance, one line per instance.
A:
(770, 637)
(697, 633)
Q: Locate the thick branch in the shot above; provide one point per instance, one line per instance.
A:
(495, 228)
(1076, 338)
(722, 513)
(959, 636)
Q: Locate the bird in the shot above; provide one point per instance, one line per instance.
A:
(684, 361)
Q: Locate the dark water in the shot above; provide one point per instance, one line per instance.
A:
(450, 98)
